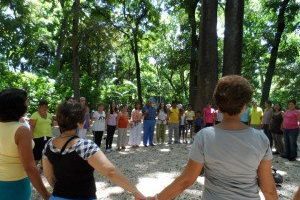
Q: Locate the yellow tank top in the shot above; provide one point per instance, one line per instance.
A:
(174, 115)
(11, 168)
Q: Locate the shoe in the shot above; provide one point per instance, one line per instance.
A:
(123, 147)
(145, 145)
(152, 145)
(292, 159)
(169, 142)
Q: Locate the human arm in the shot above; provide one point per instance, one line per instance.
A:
(297, 195)
(48, 171)
(266, 181)
(185, 180)
(23, 140)
(102, 165)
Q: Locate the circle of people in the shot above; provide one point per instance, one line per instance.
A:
(69, 160)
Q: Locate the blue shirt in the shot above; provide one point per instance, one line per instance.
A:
(151, 113)
(245, 115)
(198, 121)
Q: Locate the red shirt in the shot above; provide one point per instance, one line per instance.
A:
(291, 119)
(123, 121)
(209, 115)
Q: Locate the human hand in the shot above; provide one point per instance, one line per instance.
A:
(139, 196)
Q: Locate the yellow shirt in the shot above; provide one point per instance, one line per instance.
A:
(174, 115)
(256, 116)
(42, 125)
(11, 168)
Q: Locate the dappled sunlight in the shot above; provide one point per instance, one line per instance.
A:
(164, 150)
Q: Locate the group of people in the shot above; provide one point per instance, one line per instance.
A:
(236, 158)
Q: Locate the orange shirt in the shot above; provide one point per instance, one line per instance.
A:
(123, 121)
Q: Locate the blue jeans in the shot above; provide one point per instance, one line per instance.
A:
(148, 131)
(290, 142)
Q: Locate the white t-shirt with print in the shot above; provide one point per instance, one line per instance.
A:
(99, 123)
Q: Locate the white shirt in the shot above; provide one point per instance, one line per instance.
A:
(162, 117)
(99, 123)
(182, 120)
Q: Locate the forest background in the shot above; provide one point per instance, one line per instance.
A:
(129, 50)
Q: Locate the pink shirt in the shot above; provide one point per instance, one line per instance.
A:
(209, 115)
(291, 119)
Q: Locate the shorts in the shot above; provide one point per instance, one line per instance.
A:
(39, 144)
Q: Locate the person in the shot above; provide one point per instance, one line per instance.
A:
(190, 117)
(17, 165)
(162, 114)
(149, 114)
(245, 116)
(135, 136)
(98, 127)
(256, 115)
(236, 157)
(173, 123)
(182, 126)
(267, 115)
(122, 124)
(86, 125)
(276, 129)
(197, 125)
(41, 127)
(208, 115)
(111, 122)
(291, 119)
(69, 161)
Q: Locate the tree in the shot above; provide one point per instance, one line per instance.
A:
(233, 41)
(207, 73)
(75, 47)
(274, 52)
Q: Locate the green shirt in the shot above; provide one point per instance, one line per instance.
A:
(42, 125)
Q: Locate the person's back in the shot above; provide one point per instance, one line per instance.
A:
(73, 175)
(11, 167)
(231, 160)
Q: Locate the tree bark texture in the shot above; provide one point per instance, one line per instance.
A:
(207, 73)
(135, 50)
(191, 6)
(274, 52)
(233, 41)
(75, 48)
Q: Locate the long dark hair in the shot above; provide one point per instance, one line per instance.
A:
(111, 109)
(161, 107)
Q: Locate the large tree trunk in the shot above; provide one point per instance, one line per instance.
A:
(233, 41)
(75, 47)
(135, 50)
(208, 55)
(191, 6)
(274, 52)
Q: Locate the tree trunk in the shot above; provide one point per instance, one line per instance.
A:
(61, 36)
(75, 47)
(274, 52)
(208, 55)
(233, 41)
(135, 50)
(191, 6)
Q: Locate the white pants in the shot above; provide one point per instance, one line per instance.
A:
(135, 137)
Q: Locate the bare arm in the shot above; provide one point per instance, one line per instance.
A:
(185, 180)
(48, 171)
(102, 165)
(266, 181)
(23, 139)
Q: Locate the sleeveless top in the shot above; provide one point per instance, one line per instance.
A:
(123, 121)
(11, 167)
(74, 177)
